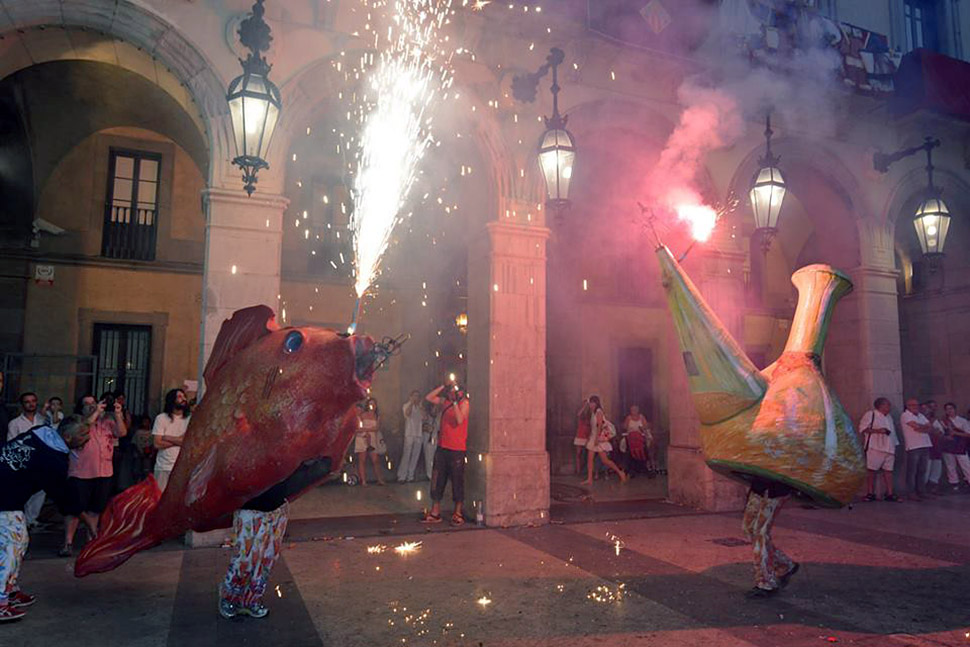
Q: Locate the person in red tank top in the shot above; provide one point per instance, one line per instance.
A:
(449, 457)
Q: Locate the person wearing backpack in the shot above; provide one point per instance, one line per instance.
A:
(602, 432)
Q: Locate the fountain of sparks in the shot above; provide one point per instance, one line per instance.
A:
(412, 70)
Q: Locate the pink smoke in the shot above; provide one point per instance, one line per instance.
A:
(711, 119)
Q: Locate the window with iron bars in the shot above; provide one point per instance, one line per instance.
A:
(131, 205)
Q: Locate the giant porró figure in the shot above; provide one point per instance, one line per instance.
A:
(780, 430)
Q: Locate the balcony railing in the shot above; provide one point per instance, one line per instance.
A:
(129, 233)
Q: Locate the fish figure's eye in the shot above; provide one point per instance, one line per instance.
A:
(293, 341)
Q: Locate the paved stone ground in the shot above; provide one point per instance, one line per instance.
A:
(339, 500)
(876, 575)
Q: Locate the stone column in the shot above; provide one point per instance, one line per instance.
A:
(508, 466)
(243, 239)
(718, 275)
(880, 357)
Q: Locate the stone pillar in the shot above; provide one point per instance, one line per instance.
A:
(718, 275)
(243, 239)
(508, 466)
(880, 357)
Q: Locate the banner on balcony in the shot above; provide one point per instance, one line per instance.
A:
(771, 32)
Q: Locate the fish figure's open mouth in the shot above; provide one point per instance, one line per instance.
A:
(371, 355)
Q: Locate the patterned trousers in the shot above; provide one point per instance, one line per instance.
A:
(258, 539)
(13, 546)
(770, 563)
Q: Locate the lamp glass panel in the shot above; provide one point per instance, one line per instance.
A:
(932, 223)
(557, 154)
(767, 195)
(254, 104)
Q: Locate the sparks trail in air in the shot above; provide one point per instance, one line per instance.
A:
(399, 94)
(700, 218)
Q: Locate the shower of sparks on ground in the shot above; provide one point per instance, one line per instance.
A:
(408, 548)
(607, 594)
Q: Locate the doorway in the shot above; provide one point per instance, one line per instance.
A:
(635, 368)
(124, 360)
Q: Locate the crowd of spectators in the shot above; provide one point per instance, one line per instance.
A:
(933, 442)
(122, 450)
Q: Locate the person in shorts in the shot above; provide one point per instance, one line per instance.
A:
(879, 439)
(90, 468)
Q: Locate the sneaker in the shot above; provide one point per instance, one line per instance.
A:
(227, 609)
(21, 600)
(67, 551)
(870, 497)
(8, 613)
(255, 610)
(891, 497)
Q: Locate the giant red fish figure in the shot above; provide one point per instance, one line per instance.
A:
(276, 401)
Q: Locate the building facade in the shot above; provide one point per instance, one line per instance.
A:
(127, 238)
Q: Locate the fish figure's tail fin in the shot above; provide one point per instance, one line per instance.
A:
(122, 532)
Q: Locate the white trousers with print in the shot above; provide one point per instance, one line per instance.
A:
(13, 546)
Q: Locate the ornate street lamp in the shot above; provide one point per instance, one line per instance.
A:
(254, 102)
(557, 148)
(932, 217)
(767, 192)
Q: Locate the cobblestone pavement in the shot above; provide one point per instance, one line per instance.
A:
(878, 574)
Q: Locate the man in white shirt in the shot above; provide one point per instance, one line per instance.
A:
(413, 417)
(916, 434)
(167, 434)
(879, 439)
(28, 418)
(957, 429)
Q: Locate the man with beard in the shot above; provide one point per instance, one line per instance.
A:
(167, 434)
(90, 468)
(28, 418)
(34, 461)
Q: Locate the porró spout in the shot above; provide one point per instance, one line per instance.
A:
(722, 379)
(819, 288)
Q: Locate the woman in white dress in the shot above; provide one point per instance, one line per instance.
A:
(601, 432)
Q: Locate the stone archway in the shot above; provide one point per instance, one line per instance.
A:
(132, 37)
(825, 219)
(933, 302)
